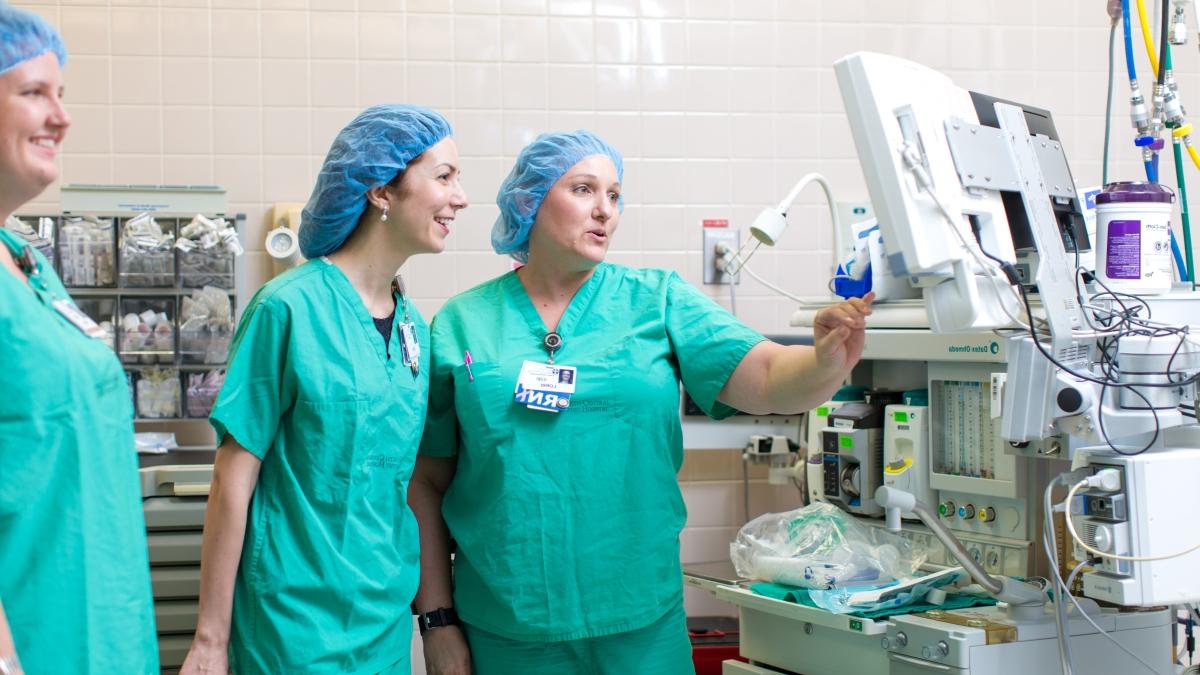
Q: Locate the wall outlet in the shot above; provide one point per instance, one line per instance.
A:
(712, 237)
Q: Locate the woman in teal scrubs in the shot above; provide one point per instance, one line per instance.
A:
(309, 561)
(74, 575)
(550, 458)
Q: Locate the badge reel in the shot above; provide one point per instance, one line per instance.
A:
(546, 386)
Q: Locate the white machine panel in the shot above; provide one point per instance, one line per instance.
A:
(1156, 516)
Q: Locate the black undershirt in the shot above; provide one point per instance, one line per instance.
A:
(384, 326)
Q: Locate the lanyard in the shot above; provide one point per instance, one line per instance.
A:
(23, 255)
(29, 264)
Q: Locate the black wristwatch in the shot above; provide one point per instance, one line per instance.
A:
(438, 618)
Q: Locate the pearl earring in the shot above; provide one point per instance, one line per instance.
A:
(384, 216)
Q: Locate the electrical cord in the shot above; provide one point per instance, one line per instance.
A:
(769, 285)
(910, 158)
(727, 257)
(1062, 589)
(732, 297)
(913, 162)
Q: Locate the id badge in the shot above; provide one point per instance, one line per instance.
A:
(410, 348)
(82, 321)
(544, 386)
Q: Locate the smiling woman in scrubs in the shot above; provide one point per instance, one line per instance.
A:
(567, 513)
(74, 578)
(320, 418)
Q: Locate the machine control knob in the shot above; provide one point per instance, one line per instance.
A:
(942, 649)
(987, 514)
(1069, 400)
(901, 639)
(947, 509)
(966, 511)
(1103, 538)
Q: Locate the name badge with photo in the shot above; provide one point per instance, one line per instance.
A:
(546, 387)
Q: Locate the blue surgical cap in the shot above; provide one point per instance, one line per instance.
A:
(369, 152)
(25, 35)
(538, 167)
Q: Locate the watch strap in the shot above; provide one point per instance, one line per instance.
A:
(438, 618)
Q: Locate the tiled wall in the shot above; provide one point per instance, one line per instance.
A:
(718, 105)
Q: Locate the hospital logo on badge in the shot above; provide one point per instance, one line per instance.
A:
(542, 400)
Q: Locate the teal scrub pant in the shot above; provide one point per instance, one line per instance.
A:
(662, 648)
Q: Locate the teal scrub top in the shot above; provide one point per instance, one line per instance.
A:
(74, 570)
(568, 523)
(330, 561)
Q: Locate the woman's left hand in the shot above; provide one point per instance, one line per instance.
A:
(839, 332)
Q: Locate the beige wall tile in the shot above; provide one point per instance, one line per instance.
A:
(284, 34)
(87, 80)
(86, 30)
(136, 80)
(186, 32)
(90, 130)
(187, 81)
(381, 36)
(136, 31)
(137, 129)
(333, 35)
(188, 131)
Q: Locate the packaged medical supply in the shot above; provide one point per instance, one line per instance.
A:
(820, 546)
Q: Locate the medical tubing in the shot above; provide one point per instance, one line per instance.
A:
(1151, 172)
(956, 549)
(1164, 53)
(1051, 550)
(1178, 256)
(1130, 66)
(1112, 34)
(1147, 37)
(1192, 152)
(1183, 209)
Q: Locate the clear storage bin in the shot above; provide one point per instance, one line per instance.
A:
(147, 252)
(86, 253)
(206, 267)
(37, 231)
(202, 390)
(146, 334)
(103, 312)
(203, 343)
(158, 393)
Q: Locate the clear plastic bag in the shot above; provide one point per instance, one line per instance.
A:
(821, 547)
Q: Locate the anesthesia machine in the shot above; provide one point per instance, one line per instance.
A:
(1041, 431)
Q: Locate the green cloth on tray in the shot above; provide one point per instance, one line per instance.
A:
(800, 597)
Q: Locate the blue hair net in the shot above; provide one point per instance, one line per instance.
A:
(538, 167)
(25, 35)
(369, 152)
